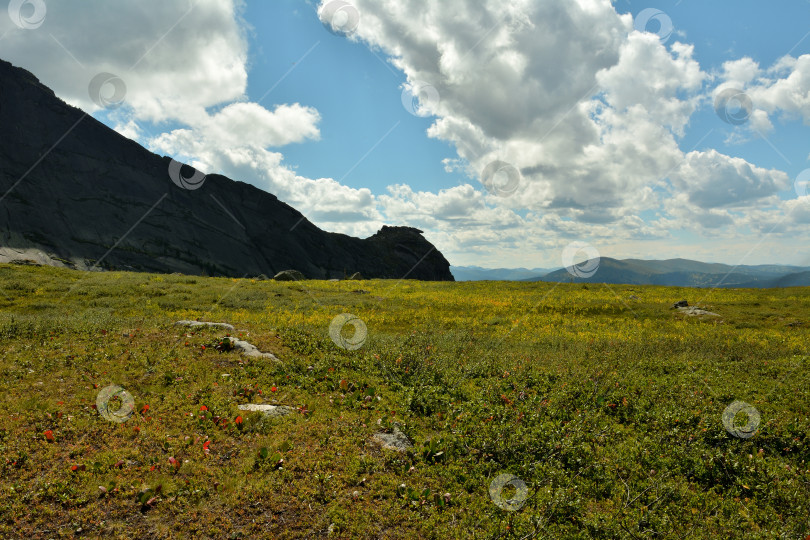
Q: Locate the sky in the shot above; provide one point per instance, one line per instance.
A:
(506, 131)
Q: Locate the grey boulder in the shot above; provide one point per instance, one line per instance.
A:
(289, 275)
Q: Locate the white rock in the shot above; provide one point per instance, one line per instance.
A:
(268, 410)
(248, 349)
(693, 311)
(195, 324)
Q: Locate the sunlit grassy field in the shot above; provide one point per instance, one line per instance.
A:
(604, 402)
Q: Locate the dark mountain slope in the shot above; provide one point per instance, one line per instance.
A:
(74, 190)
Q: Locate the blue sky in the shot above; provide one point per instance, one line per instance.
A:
(607, 131)
(358, 94)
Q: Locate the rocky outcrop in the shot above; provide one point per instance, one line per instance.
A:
(289, 275)
(75, 193)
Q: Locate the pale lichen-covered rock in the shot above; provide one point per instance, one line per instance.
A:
(197, 324)
(693, 311)
(267, 410)
(396, 440)
(250, 350)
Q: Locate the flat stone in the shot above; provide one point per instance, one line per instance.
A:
(248, 349)
(693, 311)
(267, 410)
(196, 324)
(397, 440)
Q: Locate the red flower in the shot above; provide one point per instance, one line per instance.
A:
(145, 408)
(203, 408)
(273, 388)
(238, 421)
(49, 435)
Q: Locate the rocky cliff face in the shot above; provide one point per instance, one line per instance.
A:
(74, 192)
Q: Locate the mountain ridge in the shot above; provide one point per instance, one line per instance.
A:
(79, 194)
(684, 273)
(477, 273)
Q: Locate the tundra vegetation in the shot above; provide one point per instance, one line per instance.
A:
(602, 400)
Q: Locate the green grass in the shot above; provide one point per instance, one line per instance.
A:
(609, 409)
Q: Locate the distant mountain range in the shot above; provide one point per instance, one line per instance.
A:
(686, 273)
(75, 193)
(673, 272)
(476, 273)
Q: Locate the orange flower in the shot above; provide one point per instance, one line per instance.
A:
(238, 421)
(49, 435)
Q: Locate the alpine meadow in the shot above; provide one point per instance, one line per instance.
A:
(400, 269)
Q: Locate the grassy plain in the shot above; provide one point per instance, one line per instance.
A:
(602, 400)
